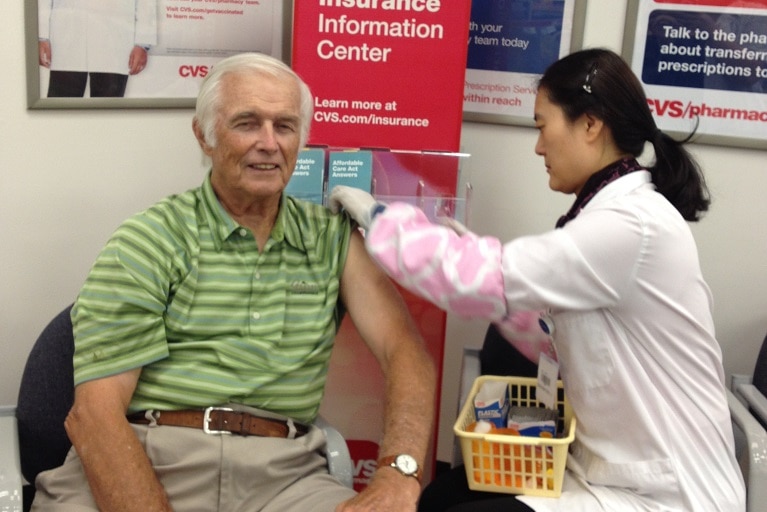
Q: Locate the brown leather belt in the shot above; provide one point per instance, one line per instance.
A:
(222, 420)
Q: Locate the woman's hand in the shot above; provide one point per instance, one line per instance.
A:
(357, 203)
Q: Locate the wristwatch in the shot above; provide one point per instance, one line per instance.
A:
(404, 463)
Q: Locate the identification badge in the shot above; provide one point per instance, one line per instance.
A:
(548, 372)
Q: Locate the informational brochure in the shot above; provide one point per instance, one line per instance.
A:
(350, 168)
(308, 178)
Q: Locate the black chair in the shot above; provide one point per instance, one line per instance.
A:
(45, 397)
(499, 357)
(759, 377)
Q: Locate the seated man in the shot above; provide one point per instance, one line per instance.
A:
(224, 297)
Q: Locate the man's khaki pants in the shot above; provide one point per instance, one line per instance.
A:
(206, 473)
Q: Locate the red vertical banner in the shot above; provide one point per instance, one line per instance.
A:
(384, 74)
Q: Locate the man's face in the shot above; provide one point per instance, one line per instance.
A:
(257, 132)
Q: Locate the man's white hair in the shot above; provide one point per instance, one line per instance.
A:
(209, 97)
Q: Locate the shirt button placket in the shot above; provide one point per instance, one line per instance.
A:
(255, 290)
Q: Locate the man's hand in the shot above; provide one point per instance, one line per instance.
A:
(137, 60)
(389, 491)
(44, 53)
(357, 203)
(118, 469)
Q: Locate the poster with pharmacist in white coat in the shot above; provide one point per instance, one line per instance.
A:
(182, 39)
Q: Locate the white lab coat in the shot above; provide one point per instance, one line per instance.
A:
(96, 35)
(633, 332)
(639, 359)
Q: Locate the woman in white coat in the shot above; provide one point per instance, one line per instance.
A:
(103, 41)
(622, 284)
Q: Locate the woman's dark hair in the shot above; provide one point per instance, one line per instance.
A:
(599, 82)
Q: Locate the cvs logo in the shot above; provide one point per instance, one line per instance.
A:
(187, 71)
(328, 117)
(364, 462)
(364, 469)
(673, 108)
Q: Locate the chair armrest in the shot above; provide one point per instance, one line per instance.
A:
(751, 453)
(10, 466)
(737, 380)
(754, 399)
(339, 458)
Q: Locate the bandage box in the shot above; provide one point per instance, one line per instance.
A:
(533, 421)
(491, 403)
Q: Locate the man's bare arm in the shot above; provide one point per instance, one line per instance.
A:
(381, 317)
(120, 475)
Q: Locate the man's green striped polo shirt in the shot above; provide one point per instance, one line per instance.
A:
(182, 291)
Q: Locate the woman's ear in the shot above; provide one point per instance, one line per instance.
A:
(594, 126)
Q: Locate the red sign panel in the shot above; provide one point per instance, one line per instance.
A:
(384, 73)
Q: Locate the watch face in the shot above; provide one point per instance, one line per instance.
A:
(406, 464)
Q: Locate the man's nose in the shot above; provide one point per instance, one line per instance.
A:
(267, 139)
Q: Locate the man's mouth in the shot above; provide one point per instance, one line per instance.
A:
(264, 167)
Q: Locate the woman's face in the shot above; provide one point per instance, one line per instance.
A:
(563, 146)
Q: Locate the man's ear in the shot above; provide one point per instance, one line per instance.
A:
(200, 136)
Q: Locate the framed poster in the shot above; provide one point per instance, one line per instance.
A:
(144, 53)
(511, 43)
(703, 64)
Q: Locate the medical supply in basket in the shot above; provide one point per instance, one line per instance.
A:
(533, 421)
(501, 460)
(491, 403)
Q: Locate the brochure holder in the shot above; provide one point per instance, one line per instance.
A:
(429, 180)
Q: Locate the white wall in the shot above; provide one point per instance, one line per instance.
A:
(67, 178)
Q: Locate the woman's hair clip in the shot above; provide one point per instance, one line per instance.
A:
(590, 78)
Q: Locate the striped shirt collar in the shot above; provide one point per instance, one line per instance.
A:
(293, 229)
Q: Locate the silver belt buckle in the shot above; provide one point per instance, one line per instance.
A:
(206, 421)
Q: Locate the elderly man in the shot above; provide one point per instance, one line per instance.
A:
(229, 296)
